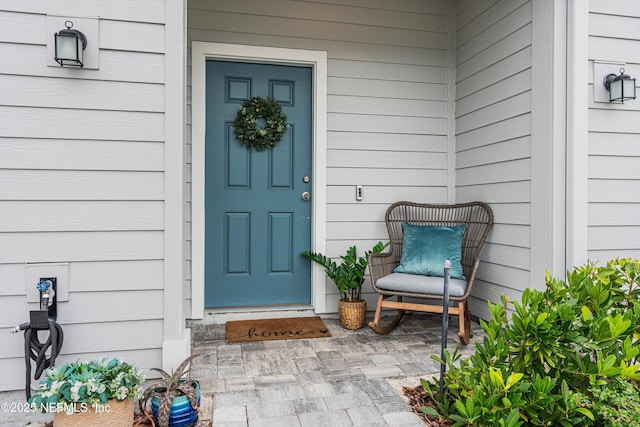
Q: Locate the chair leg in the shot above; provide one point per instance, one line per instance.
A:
(375, 325)
(465, 322)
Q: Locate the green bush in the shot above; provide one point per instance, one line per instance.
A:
(565, 356)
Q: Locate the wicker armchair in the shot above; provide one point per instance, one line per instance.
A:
(477, 217)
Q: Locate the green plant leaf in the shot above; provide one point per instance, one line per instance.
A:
(462, 410)
(513, 419)
(429, 410)
(512, 379)
(460, 421)
(496, 378)
(617, 325)
(541, 318)
(587, 413)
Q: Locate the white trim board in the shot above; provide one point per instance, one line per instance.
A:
(577, 132)
(176, 344)
(200, 53)
(548, 157)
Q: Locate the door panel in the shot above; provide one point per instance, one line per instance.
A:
(256, 222)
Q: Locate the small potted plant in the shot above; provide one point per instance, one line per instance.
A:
(97, 392)
(348, 276)
(175, 398)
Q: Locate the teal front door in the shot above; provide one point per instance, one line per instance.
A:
(257, 217)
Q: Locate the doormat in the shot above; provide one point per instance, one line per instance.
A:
(291, 328)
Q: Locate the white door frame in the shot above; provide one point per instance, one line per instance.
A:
(200, 53)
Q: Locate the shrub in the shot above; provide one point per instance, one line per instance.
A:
(567, 356)
(95, 381)
(618, 403)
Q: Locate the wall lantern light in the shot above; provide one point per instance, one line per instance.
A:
(69, 46)
(621, 88)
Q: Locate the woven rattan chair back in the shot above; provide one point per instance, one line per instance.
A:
(477, 216)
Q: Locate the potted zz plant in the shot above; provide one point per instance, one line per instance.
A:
(98, 392)
(348, 276)
(175, 398)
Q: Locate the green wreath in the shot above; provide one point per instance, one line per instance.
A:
(246, 125)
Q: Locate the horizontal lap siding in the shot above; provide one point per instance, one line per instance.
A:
(493, 137)
(614, 135)
(82, 181)
(387, 98)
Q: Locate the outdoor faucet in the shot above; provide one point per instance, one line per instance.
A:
(46, 293)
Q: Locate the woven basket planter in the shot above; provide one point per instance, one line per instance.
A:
(114, 413)
(352, 313)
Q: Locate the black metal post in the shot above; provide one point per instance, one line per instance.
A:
(445, 325)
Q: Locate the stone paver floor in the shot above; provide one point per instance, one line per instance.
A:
(352, 378)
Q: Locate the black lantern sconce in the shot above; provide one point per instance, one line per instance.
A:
(621, 88)
(69, 46)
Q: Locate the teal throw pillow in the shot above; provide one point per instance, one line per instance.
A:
(425, 248)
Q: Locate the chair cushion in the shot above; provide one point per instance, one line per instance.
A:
(413, 283)
(425, 248)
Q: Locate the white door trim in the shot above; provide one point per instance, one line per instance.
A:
(200, 52)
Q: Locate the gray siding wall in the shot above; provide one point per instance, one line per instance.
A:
(614, 135)
(493, 136)
(81, 181)
(387, 99)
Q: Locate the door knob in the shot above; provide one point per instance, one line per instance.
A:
(306, 195)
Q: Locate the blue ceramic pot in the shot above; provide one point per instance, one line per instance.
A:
(182, 414)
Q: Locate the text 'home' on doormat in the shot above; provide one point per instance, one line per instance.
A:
(290, 328)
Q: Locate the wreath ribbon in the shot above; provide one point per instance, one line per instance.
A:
(247, 130)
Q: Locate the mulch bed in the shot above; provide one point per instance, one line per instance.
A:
(417, 399)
